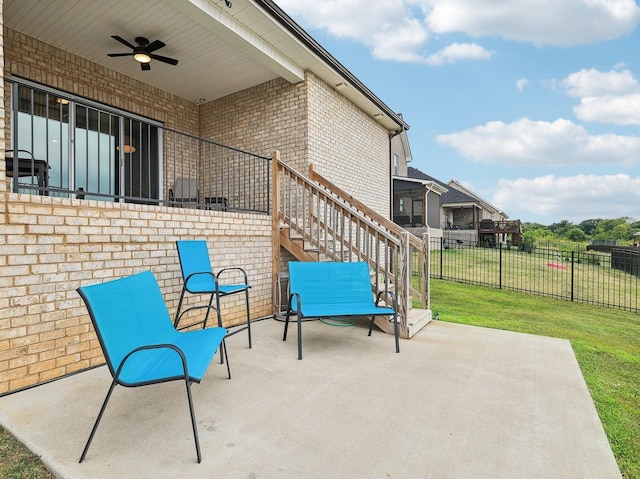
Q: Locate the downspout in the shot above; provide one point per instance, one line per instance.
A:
(392, 135)
(425, 211)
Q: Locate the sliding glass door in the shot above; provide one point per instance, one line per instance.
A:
(95, 154)
(90, 151)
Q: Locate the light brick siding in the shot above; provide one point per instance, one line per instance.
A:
(3, 147)
(271, 116)
(310, 123)
(51, 246)
(348, 147)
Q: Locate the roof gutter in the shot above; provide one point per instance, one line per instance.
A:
(292, 27)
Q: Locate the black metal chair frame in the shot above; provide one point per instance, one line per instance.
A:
(216, 293)
(151, 366)
(27, 167)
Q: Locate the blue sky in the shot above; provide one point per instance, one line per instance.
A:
(533, 104)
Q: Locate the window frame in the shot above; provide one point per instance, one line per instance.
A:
(121, 157)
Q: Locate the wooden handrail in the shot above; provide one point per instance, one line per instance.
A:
(374, 215)
(330, 222)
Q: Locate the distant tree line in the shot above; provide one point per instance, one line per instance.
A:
(621, 229)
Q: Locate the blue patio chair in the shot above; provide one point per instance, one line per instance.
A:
(198, 278)
(333, 290)
(140, 344)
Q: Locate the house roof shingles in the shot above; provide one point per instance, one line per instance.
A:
(451, 196)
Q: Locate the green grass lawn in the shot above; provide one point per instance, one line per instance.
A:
(17, 462)
(606, 343)
(589, 279)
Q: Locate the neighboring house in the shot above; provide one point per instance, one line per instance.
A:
(120, 149)
(460, 208)
(416, 201)
(400, 153)
(462, 216)
(484, 209)
(490, 225)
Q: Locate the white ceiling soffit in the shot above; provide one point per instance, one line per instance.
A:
(246, 31)
(209, 65)
(220, 50)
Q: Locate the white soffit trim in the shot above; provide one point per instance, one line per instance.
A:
(217, 21)
(463, 205)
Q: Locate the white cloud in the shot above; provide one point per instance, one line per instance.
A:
(389, 27)
(459, 51)
(521, 84)
(542, 22)
(400, 29)
(606, 97)
(618, 110)
(590, 83)
(574, 198)
(540, 143)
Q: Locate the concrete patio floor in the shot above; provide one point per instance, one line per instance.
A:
(457, 402)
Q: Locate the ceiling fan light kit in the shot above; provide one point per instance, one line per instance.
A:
(142, 52)
(142, 57)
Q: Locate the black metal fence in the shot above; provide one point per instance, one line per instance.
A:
(73, 149)
(201, 173)
(606, 279)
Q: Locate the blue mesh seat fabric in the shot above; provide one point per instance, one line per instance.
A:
(333, 289)
(198, 278)
(141, 345)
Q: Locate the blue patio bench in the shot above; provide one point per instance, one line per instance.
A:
(333, 290)
(140, 344)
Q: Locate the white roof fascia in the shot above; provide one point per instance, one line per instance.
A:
(214, 19)
(431, 185)
(485, 204)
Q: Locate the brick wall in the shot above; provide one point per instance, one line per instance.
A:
(3, 147)
(348, 147)
(51, 246)
(310, 123)
(271, 116)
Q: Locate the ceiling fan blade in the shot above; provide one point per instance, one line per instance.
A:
(170, 61)
(123, 41)
(120, 54)
(145, 66)
(152, 47)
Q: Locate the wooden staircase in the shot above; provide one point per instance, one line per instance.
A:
(317, 221)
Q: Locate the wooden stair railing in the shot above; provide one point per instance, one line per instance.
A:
(414, 242)
(374, 216)
(315, 220)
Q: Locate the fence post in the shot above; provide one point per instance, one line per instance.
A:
(500, 268)
(275, 218)
(403, 284)
(426, 270)
(572, 273)
(441, 253)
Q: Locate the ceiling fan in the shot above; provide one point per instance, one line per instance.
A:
(143, 52)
